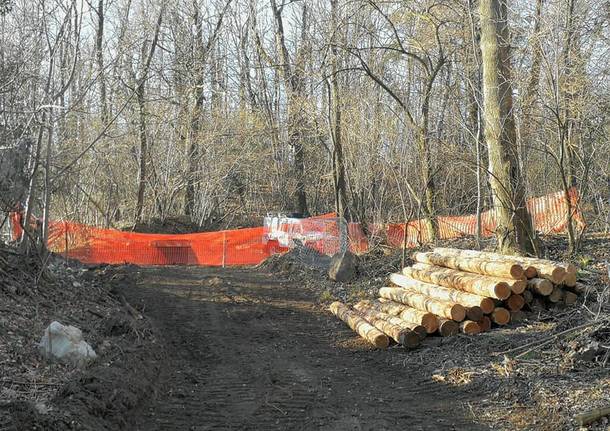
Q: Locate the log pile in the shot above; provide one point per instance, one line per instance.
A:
(448, 291)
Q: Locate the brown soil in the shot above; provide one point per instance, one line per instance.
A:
(250, 350)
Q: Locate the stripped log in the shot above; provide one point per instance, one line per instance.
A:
(553, 271)
(485, 324)
(420, 330)
(492, 287)
(448, 328)
(478, 266)
(469, 327)
(450, 310)
(359, 325)
(403, 336)
(529, 270)
(501, 316)
(541, 286)
(528, 296)
(409, 314)
(569, 297)
(443, 293)
(474, 313)
(570, 279)
(515, 302)
(556, 295)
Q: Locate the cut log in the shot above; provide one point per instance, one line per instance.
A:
(420, 330)
(517, 316)
(360, 325)
(570, 279)
(501, 316)
(586, 418)
(443, 293)
(450, 310)
(409, 314)
(492, 287)
(581, 288)
(515, 302)
(554, 271)
(530, 271)
(469, 327)
(474, 313)
(448, 327)
(496, 268)
(569, 297)
(528, 296)
(485, 324)
(403, 336)
(556, 295)
(541, 286)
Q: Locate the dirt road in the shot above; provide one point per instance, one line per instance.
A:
(249, 351)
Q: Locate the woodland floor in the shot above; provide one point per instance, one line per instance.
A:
(256, 348)
(251, 350)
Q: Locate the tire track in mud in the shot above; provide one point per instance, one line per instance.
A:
(245, 351)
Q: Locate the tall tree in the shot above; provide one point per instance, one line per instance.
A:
(294, 82)
(341, 202)
(514, 228)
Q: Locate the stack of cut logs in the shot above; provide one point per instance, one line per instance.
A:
(450, 290)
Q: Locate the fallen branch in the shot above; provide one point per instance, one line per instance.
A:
(546, 340)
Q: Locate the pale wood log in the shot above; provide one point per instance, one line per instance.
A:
(420, 330)
(570, 279)
(485, 324)
(409, 314)
(443, 293)
(475, 265)
(592, 415)
(515, 302)
(469, 327)
(529, 270)
(450, 310)
(403, 336)
(360, 325)
(492, 287)
(541, 286)
(448, 327)
(553, 271)
(528, 296)
(474, 313)
(501, 316)
(556, 295)
(569, 297)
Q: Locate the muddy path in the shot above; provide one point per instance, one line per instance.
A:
(248, 351)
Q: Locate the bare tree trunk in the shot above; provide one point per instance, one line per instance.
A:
(514, 229)
(142, 173)
(295, 89)
(99, 57)
(528, 101)
(140, 90)
(338, 162)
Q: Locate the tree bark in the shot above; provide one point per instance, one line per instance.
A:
(295, 92)
(514, 230)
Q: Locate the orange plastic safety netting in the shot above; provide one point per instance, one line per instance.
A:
(251, 246)
(549, 215)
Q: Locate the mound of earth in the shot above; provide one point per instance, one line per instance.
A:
(36, 394)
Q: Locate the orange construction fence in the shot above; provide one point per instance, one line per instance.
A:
(549, 215)
(251, 246)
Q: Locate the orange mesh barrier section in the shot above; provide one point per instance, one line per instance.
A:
(92, 245)
(549, 215)
(251, 246)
